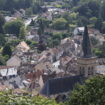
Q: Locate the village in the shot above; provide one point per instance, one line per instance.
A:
(29, 70)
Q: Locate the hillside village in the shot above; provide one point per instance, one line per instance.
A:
(46, 58)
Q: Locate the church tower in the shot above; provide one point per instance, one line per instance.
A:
(87, 62)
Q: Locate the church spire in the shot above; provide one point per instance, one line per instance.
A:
(86, 46)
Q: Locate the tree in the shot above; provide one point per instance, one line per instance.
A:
(28, 12)
(56, 42)
(2, 60)
(7, 50)
(13, 27)
(103, 11)
(98, 24)
(7, 98)
(22, 33)
(91, 93)
(2, 22)
(57, 35)
(60, 24)
(2, 40)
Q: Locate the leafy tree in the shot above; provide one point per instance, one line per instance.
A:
(103, 11)
(22, 33)
(41, 26)
(13, 27)
(7, 98)
(57, 35)
(13, 43)
(36, 8)
(94, 41)
(91, 93)
(98, 53)
(56, 42)
(92, 21)
(2, 60)
(50, 42)
(28, 12)
(7, 50)
(103, 27)
(98, 24)
(60, 24)
(2, 40)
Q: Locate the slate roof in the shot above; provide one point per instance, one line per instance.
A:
(86, 45)
(60, 85)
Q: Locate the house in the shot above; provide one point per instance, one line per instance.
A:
(8, 18)
(23, 46)
(35, 79)
(33, 37)
(8, 71)
(14, 61)
(43, 66)
(78, 31)
(68, 45)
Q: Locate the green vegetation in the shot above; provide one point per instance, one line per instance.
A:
(7, 98)
(100, 51)
(59, 24)
(91, 93)
(18, 4)
(7, 50)
(14, 27)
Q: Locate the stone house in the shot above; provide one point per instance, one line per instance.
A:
(14, 61)
(8, 71)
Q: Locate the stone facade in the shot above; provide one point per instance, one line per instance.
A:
(87, 66)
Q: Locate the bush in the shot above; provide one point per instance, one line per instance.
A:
(60, 24)
(7, 98)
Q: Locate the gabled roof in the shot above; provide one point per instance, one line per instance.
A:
(60, 85)
(14, 57)
(23, 44)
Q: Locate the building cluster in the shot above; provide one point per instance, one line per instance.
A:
(53, 72)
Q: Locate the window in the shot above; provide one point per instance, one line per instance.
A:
(90, 70)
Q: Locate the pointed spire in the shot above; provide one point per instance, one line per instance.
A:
(86, 46)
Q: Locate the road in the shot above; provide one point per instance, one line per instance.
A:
(27, 22)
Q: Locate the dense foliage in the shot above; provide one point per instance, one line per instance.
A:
(7, 98)
(91, 93)
(13, 27)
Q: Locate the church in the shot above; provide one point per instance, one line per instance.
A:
(86, 63)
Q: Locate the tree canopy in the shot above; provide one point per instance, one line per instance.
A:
(91, 93)
(60, 24)
(7, 98)
(13, 27)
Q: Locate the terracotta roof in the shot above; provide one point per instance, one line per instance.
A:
(43, 66)
(23, 45)
(34, 75)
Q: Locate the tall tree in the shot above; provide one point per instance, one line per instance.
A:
(2, 22)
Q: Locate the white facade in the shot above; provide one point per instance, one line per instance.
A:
(100, 69)
(78, 30)
(11, 71)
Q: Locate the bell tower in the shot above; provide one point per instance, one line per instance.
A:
(86, 62)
